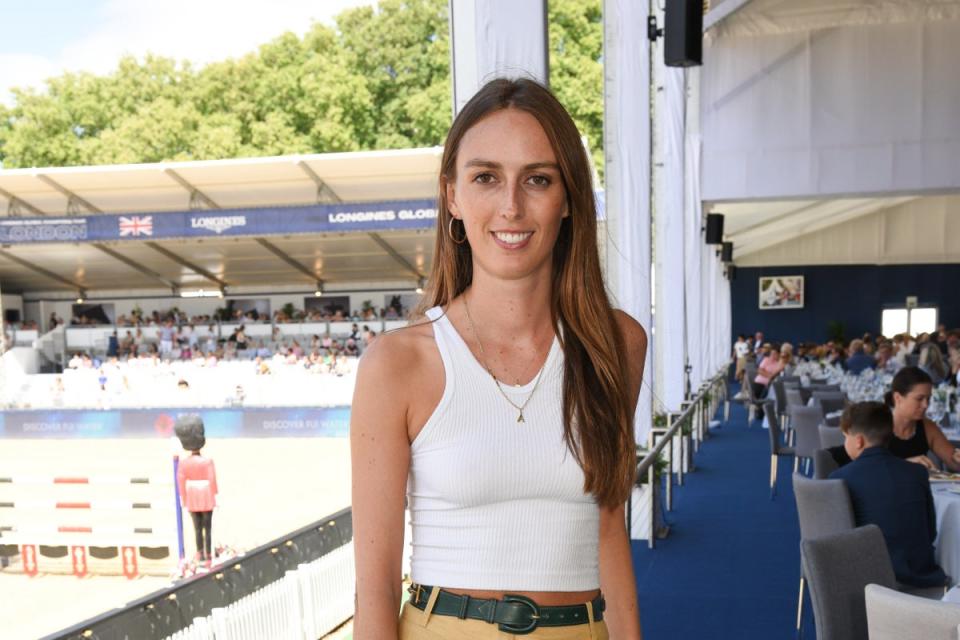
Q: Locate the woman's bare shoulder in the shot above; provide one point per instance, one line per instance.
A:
(400, 349)
(634, 335)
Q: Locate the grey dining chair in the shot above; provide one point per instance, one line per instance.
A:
(817, 386)
(892, 615)
(830, 436)
(805, 422)
(748, 400)
(838, 568)
(823, 508)
(823, 464)
(777, 446)
(780, 394)
(830, 401)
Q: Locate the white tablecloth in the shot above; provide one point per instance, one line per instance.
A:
(947, 545)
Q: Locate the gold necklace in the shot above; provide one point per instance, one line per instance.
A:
(483, 358)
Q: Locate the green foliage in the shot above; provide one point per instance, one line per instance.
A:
(837, 331)
(659, 467)
(378, 79)
(576, 66)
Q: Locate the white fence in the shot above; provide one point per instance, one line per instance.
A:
(307, 603)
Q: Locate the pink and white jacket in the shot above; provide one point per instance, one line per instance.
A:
(197, 482)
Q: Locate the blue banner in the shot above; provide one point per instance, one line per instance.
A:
(319, 218)
(158, 423)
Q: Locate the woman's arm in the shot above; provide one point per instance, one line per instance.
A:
(616, 565)
(941, 446)
(616, 576)
(380, 457)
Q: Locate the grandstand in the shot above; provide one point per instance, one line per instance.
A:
(241, 290)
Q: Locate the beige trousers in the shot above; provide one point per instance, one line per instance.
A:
(422, 625)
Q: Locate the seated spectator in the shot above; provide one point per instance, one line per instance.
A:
(914, 435)
(786, 359)
(127, 345)
(859, 361)
(931, 361)
(885, 360)
(351, 349)
(892, 494)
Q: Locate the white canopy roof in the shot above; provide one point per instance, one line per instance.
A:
(362, 176)
(368, 176)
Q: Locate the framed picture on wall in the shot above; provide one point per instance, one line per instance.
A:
(781, 292)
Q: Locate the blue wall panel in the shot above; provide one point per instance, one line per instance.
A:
(854, 295)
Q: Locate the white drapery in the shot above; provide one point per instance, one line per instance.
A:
(860, 98)
(693, 255)
(496, 38)
(627, 153)
(669, 348)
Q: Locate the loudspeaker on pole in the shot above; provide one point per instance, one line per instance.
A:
(683, 33)
(726, 252)
(714, 228)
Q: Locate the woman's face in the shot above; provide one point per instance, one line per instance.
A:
(913, 405)
(509, 193)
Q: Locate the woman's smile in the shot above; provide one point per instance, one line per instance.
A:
(512, 240)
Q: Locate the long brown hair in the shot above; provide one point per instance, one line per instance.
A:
(598, 425)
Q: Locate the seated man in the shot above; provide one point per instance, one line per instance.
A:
(891, 493)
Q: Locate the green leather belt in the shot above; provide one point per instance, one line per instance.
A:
(514, 614)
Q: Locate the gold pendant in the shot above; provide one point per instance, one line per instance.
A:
(520, 417)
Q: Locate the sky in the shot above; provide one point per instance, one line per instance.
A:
(44, 38)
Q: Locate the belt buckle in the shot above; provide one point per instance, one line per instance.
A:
(534, 616)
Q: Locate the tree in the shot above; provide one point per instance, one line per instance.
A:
(378, 79)
(576, 66)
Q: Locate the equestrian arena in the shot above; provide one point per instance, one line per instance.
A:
(268, 487)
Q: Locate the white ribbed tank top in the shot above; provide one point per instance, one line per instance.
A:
(497, 504)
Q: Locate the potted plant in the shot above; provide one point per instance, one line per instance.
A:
(645, 511)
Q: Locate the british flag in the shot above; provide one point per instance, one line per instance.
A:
(136, 226)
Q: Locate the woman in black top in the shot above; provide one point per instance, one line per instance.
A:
(913, 433)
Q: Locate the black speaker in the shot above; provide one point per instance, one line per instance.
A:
(11, 316)
(714, 228)
(731, 272)
(683, 33)
(726, 252)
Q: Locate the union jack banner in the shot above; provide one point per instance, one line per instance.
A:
(136, 226)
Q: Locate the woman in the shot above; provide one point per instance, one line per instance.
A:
(786, 359)
(931, 361)
(770, 367)
(508, 416)
(913, 434)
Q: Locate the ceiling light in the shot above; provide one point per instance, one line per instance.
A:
(81, 296)
(421, 284)
(319, 291)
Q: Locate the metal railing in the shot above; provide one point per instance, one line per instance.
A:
(169, 611)
(694, 416)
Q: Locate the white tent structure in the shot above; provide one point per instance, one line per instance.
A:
(830, 130)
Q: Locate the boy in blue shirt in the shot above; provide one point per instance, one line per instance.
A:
(891, 493)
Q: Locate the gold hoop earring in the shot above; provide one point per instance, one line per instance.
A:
(452, 236)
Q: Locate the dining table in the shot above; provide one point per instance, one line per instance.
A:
(946, 501)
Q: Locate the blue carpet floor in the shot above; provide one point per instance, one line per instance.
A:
(730, 567)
